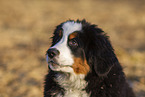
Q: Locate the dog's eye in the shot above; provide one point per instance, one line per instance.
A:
(73, 43)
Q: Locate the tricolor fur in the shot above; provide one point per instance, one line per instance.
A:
(82, 63)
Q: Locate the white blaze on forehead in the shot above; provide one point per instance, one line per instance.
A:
(65, 57)
(70, 27)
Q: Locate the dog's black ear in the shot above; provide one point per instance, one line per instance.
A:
(99, 52)
(104, 57)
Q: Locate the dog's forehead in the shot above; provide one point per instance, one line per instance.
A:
(70, 27)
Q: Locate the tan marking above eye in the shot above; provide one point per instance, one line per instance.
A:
(73, 35)
(80, 66)
(60, 33)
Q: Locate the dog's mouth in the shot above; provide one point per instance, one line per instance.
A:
(55, 64)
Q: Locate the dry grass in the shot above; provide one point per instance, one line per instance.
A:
(26, 26)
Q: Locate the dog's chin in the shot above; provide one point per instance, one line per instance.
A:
(60, 68)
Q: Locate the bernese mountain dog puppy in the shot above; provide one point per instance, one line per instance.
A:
(82, 63)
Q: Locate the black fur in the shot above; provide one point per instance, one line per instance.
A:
(106, 77)
(51, 87)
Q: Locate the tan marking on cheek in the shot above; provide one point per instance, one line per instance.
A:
(80, 66)
(73, 35)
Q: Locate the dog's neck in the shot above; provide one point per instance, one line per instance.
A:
(72, 83)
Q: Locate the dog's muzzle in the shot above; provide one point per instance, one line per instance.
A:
(52, 53)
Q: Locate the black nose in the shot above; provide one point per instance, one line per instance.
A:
(52, 52)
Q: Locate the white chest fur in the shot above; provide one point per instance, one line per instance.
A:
(73, 84)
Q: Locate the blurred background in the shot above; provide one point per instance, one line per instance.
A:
(27, 25)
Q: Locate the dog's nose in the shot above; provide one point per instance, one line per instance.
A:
(52, 52)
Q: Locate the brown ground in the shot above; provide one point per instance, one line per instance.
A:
(27, 25)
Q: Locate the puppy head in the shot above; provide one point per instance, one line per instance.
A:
(79, 47)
